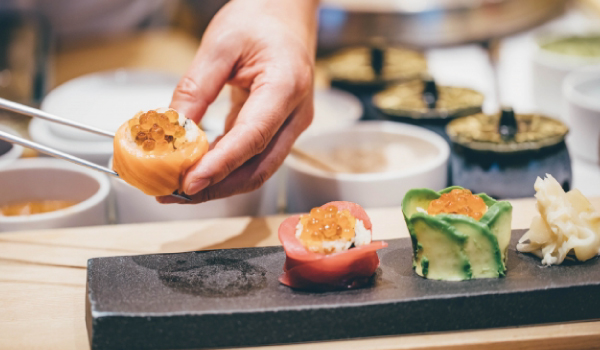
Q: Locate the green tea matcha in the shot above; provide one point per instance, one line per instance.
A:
(584, 46)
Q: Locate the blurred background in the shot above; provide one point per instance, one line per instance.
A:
(486, 94)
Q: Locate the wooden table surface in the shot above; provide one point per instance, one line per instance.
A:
(42, 282)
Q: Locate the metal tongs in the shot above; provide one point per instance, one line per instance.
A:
(36, 113)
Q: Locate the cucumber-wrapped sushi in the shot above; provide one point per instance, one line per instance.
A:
(330, 248)
(457, 235)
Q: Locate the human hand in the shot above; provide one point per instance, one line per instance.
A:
(265, 50)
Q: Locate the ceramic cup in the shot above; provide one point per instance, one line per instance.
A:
(53, 179)
(309, 187)
(549, 69)
(581, 90)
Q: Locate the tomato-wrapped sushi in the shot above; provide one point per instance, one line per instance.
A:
(329, 248)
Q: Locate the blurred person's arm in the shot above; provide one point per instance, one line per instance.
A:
(77, 20)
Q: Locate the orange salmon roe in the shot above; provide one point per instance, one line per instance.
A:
(326, 224)
(152, 130)
(458, 201)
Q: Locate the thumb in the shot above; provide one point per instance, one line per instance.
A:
(201, 85)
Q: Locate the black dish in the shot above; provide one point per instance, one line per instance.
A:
(228, 298)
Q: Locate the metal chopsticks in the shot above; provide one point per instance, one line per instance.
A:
(54, 153)
(36, 113)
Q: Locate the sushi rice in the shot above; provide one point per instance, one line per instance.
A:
(192, 132)
(362, 236)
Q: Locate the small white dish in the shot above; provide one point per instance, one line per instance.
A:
(581, 91)
(308, 187)
(333, 109)
(549, 70)
(53, 179)
(133, 206)
(9, 153)
(104, 100)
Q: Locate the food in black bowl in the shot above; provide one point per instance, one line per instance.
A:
(360, 69)
(5, 147)
(502, 154)
(424, 99)
(423, 102)
(8, 152)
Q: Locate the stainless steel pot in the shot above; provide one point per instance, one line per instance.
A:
(428, 23)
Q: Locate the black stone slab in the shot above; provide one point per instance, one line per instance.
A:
(230, 298)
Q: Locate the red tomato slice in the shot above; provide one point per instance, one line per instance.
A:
(348, 269)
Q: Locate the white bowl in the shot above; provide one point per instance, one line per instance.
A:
(13, 153)
(53, 179)
(549, 70)
(133, 206)
(582, 93)
(308, 187)
(104, 100)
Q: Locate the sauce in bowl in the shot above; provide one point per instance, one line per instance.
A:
(375, 157)
(34, 207)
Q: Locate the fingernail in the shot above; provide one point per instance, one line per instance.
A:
(197, 186)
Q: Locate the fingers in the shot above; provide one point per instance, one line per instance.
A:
(259, 169)
(239, 96)
(257, 123)
(207, 75)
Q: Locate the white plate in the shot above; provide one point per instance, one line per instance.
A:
(94, 151)
(104, 100)
(333, 109)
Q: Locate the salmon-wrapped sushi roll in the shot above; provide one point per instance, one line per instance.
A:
(153, 150)
(330, 248)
